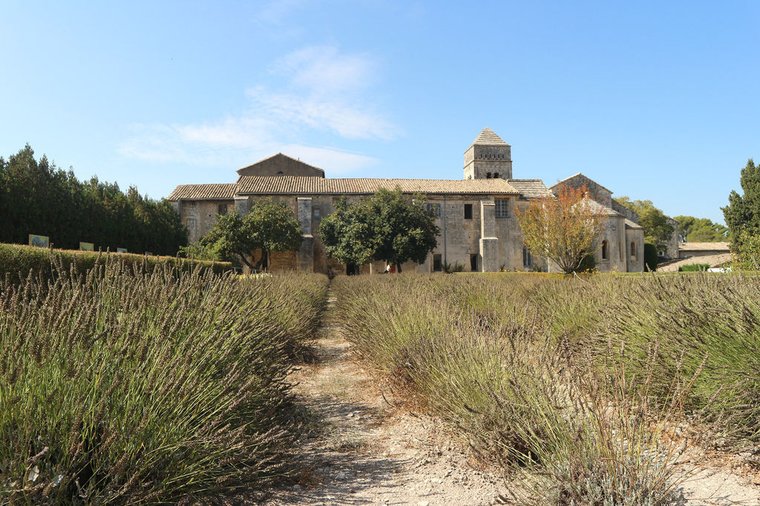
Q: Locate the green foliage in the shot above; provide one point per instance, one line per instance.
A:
(387, 226)
(131, 387)
(588, 264)
(38, 198)
(268, 227)
(651, 258)
(748, 253)
(693, 229)
(17, 261)
(658, 229)
(694, 268)
(743, 211)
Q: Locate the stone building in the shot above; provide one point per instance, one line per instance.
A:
(476, 215)
(621, 245)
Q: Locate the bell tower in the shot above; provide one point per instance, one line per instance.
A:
(488, 157)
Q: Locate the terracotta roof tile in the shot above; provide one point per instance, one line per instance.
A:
(225, 191)
(704, 246)
(530, 188)
(294, 185)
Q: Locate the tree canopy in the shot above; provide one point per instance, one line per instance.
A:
(36, 197)
(563, 228)
(693, 229)
(742, 213)
(387, 226)
(268, 227)
(658, 229)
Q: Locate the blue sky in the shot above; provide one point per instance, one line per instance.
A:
(654, 100)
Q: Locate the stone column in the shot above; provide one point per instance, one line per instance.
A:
(489, 243)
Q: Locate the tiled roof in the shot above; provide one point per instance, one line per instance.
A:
(530, 188)
(601, 209)
(633, 225)
(294, 185)
(579, 174)
(704, 246)
(223, 191)
(489, 138)
(711, 260)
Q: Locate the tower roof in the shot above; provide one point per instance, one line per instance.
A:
(489, 137)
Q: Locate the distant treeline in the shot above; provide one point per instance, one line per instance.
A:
(36, 197)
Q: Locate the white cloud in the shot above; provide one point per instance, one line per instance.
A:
(324, 91)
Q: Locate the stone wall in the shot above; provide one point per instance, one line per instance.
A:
(199, 216)
(596, 191)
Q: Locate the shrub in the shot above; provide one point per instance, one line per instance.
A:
(17, 261)
(651, 258)
(136, 385)
(694, 268)
(490, 356)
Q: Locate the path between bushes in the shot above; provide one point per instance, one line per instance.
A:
(368, 447)
(372, 450)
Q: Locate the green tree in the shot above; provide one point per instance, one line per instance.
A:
(349, 234)
(37, 197)
(748, 252)
(268, 227)
(742, 213)
(387, 226)
(658, 229)
(693, 229)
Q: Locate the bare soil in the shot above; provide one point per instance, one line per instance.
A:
(369, 446)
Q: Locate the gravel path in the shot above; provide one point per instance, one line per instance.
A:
(371, 448)
(370, 451)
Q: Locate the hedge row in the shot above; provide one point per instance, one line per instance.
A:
(18, 260)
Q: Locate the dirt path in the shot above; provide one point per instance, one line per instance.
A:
(370, 452)
(370, 449)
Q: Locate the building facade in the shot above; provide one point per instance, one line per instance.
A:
(476, 215)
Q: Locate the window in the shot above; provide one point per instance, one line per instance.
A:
(221, 209)
(468, 211)
(496, 175)
(633, 251)
(474, 262)
(605, 250)
(488, 175)
(502, 208)
(434, 209)
(527, 258)
(437, 263)
(316, 212)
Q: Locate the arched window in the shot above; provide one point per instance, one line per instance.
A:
(605, 250)
(633, 250)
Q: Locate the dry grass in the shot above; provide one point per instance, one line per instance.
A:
(571, 384)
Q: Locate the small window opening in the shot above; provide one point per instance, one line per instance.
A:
(502, 208)
(474, 262)
(488, 175)
(222, 209)
(605, 250)
(437, 263)
(496, 175)
(468, 211)
(633, 251)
